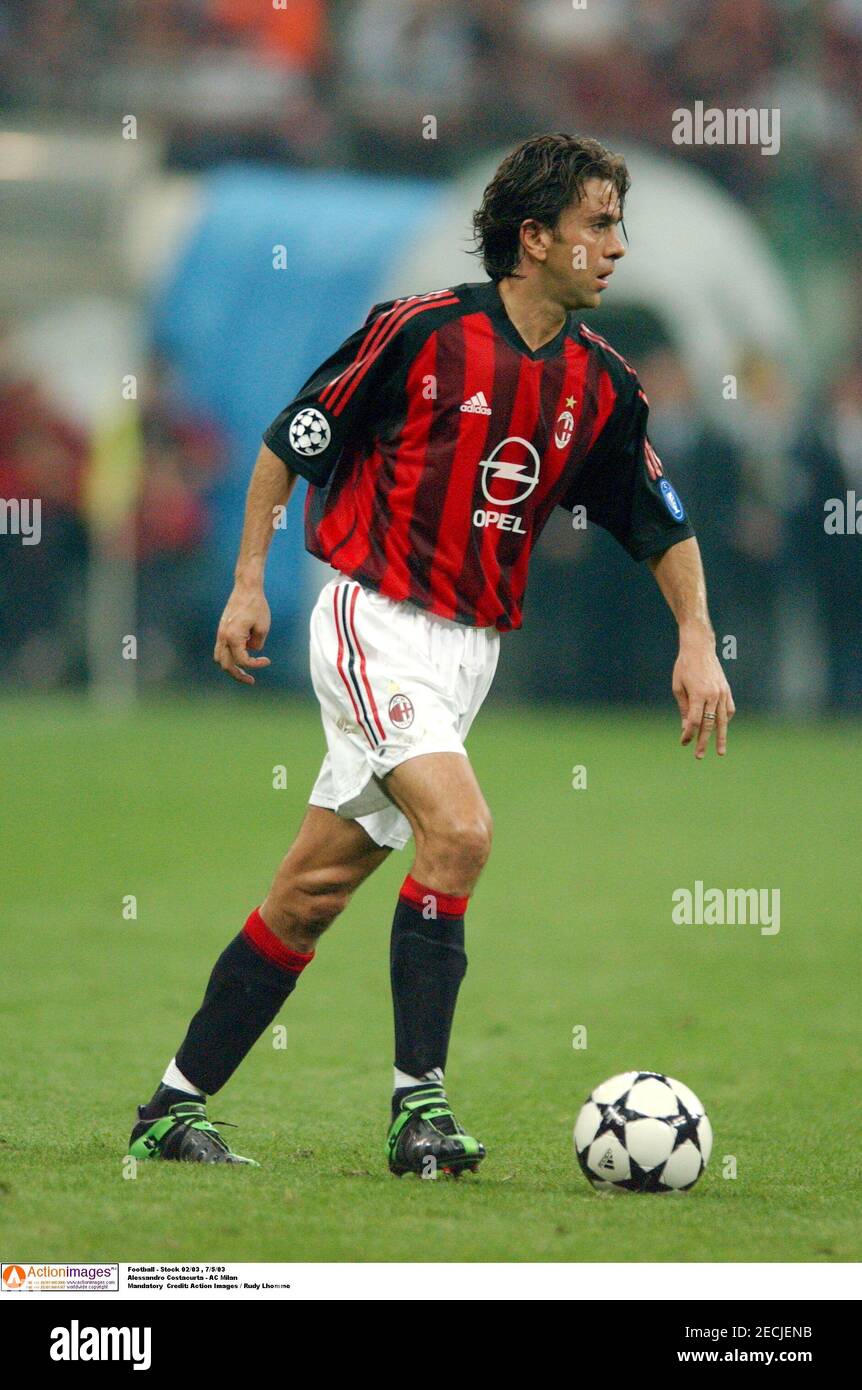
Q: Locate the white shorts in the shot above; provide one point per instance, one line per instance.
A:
(393, 681)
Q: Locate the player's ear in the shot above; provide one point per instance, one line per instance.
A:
(536, 237)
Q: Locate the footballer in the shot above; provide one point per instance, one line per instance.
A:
(436, 442)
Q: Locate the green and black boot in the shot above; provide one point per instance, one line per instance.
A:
(181, 1133)
(425, 1137)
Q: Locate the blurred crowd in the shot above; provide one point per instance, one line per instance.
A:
(173, 456)
(345, 82)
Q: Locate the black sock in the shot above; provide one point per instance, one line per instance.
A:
(250, 981)
(427, 964)
(162, 1100)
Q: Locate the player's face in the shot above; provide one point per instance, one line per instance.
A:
(585, 248)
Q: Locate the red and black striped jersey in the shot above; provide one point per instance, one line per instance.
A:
(437, 444)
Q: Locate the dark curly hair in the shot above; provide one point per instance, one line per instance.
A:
(540, 178)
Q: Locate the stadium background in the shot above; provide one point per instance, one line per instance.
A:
(201, 198)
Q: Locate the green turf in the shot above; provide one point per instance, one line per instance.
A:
(571, 925)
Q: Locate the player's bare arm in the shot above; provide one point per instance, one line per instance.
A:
(699, 684)
(244, 624)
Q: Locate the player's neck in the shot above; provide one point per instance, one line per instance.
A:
(537, 318)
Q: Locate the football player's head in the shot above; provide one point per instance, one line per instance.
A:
(554, 210)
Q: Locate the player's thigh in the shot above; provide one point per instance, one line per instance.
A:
(440, 796)
(329, 853)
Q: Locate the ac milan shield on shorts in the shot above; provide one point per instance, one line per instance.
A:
(393, 681)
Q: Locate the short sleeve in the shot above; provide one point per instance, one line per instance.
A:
(622, 483)
(310, 433)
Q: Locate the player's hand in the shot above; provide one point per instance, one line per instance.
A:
(701, 690)
(244, 628)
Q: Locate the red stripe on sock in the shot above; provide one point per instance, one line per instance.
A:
(271, 946)
(447, 903)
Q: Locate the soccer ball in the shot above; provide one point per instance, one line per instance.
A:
(309, 432)
(643, 1132)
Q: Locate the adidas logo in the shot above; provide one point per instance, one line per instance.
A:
(477, 405)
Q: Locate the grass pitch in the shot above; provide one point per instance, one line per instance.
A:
(570, 925)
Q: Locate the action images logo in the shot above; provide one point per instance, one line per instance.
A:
(17, 1278)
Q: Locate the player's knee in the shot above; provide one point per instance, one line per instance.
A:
(478, 841)
(463, 845)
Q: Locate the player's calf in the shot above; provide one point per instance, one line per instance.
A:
(315, 881)
(302, 903)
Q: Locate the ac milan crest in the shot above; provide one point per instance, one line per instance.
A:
(401, 711)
